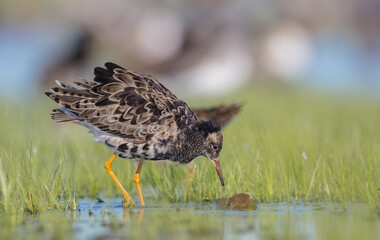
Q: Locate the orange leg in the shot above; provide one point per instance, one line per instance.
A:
(137, 183)
(127, 198)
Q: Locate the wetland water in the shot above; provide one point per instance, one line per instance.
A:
(109, 220)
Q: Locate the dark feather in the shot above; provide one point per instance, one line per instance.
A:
(60, 116)
(119, 98)
(221, 115)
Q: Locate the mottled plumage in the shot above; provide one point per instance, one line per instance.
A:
(131, 113)
(137, 117)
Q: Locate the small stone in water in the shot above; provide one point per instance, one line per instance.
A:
(240, 201)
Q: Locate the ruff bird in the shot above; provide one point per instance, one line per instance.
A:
(137, 118)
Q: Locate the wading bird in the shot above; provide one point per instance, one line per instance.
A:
(137, 118)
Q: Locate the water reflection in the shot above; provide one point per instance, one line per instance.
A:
(109, 220)
(190, 220)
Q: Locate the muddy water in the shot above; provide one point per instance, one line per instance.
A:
(109, 220)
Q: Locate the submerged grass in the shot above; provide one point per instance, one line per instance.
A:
(286, 146)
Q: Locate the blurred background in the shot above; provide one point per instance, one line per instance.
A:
(207, 47)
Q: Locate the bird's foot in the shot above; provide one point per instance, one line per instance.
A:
(127, 201)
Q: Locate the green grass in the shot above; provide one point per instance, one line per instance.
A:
(287, 145)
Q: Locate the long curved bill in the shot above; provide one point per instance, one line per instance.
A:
(216, 164)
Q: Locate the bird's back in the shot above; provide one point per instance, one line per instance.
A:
(131, 113)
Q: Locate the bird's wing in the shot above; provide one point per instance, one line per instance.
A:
(221, 115)
(123, 103)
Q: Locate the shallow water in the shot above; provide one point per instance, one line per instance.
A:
(109, 220)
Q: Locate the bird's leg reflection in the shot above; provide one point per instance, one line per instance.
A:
(140, 216)
(127, 215)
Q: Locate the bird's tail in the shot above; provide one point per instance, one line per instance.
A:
(61, 115)
(72, 101)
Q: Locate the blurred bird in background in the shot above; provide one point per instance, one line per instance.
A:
(196, 48)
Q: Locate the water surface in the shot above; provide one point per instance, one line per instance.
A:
(109, 220)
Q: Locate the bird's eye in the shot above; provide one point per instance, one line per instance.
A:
(215, 147)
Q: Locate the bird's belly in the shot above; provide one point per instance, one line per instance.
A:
(142, 155)
(125, 149)
(128, 149)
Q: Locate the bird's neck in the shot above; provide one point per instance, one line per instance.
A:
(189, 145)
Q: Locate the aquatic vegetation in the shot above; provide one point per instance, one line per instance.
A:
(287, 145)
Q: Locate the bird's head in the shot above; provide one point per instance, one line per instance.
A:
(212, 145)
